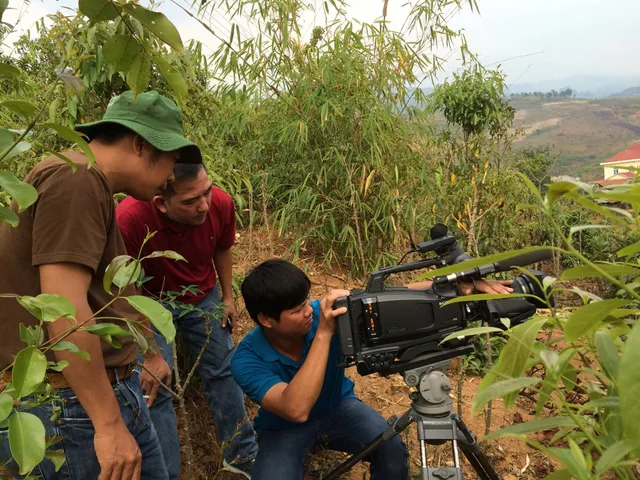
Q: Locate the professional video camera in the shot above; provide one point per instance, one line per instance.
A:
(390, 329)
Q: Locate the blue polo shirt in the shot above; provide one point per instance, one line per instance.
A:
(257, 366)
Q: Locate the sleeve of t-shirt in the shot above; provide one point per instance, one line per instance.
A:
(252, 373)
(71, 218)
(228, 234)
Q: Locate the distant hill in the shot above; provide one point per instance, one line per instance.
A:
(629, 92)
(582, 133)
(584, 86)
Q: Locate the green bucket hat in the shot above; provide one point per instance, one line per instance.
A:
(154, 117)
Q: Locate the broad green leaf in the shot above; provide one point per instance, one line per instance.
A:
(173, 77)
(6, 404)
(128, 274)
(9, 70)
(6, 139)
(8, 216)
(532, 426)
(62, 157)
(500, 389)
(604, 402)
(481, 297)
(26, 440)
(112, 269)
(120, 50)
(74, 137)
(166, 254)
(588, 317)
(32, 336)
(57, 366)
(158, 24)
(19, 149)
(23, 193)
(98, 10)
(20, 107)
(626, 197)
(572, 460)
(107, 329)
(594, 207)
(470, 332)
(57, 457)
(629, 250)
(514, 355)
(586, 271)
(159, 316)
(607, 354)
(70, 347)
(559, 475)
(139, 73)
(48, 307)
(629, 386)
(28, 371)
(557, 190)
(482, 261)
(612, 455)
(76, 84)
(532, 188)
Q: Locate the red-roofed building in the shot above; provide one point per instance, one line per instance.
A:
(617, 179)
(615, 166)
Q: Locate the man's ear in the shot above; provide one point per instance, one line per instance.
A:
(161, 203)
(139, 145)
(265, 320)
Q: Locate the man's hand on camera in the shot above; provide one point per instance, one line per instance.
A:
(327, 313)
(487, 286)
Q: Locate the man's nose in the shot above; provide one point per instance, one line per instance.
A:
(171, 178)
(203, 206)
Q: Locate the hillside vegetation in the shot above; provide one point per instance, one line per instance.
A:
(581, 133)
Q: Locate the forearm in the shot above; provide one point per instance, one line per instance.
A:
(87, 379)
(303, 391)
(420, 285)
(223, 261)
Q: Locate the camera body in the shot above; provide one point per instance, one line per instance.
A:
(392, 329)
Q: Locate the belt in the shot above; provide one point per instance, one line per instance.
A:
(57, 380)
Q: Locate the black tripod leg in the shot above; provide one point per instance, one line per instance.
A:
(394, 429)
(474, 453)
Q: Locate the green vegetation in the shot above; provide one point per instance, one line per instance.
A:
(321, 141)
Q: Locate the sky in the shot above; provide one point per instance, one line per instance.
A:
(532, 40)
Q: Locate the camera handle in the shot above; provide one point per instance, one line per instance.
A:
(432, 411)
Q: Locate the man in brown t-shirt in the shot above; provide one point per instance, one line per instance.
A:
(62, 245)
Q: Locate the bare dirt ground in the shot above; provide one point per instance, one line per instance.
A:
(511, 458)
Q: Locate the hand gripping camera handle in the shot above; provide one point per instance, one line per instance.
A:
(344, 327)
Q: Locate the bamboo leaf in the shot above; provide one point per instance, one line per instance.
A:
(587, 271)
(74, 137)
(532, 426)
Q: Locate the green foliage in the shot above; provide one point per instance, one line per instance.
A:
(589, 359)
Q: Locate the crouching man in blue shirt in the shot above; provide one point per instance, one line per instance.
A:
(288, 365)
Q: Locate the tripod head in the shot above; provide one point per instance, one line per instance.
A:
(431, 397)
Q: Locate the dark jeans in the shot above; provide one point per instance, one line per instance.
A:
(224, 396)
(76, 431)
(285, 454)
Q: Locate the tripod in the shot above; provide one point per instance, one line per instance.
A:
(432, 411)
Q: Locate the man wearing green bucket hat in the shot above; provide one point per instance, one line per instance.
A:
(62, 245)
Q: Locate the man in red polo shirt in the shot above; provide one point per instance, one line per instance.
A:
(196, 220)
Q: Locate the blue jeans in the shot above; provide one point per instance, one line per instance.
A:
(350, 426)
(224, 396)
(76, 431)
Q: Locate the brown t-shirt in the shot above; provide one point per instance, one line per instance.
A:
(73, 220)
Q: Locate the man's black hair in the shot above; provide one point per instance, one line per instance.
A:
(109, 133)
(183, 172)
(274, 286)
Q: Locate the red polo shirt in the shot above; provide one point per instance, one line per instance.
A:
(196, 244)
